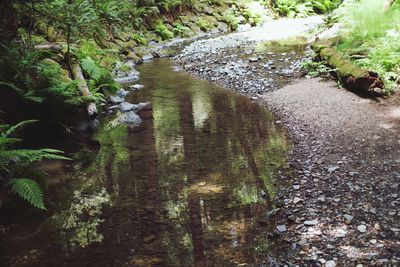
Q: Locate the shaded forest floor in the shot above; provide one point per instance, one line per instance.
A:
(342, 207)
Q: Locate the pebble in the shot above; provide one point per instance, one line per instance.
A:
(281, 228)
(136, 86)
(297, 200)
(330, 263)
(310, 223)
(348, 217)
(333, 168)
(362, 228)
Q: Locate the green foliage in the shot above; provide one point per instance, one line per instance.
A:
(29, 190)
(139, 38)
(230, 19)
(15, 163)
(161, 29)
(253, 19)
(304, 8)
(371, 39)
(180, 30)
(317, 69)
(204, 24)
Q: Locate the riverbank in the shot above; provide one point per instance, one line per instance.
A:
(341, 208)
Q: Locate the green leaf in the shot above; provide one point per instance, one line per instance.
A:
(13, 128)
(30, 95)
(28, 190)
(92, 69)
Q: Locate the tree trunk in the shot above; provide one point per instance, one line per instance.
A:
(77, 73)
(8, 21)
(352, 77)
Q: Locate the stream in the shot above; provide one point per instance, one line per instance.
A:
(191, 186)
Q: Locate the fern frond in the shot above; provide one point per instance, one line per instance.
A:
(30, 95)
(92, 69)
(15, 127)
(28, 156)
(12, 86)
(28, 190)
(7, 141)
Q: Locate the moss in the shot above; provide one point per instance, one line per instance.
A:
(344, 67)
(206, 23)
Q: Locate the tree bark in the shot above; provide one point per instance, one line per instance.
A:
(77, 73)
(8, 21)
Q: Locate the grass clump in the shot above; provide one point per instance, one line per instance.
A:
(371, 39)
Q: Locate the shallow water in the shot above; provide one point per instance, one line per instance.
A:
(190, 187)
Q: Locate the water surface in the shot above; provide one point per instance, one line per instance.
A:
(190, 187)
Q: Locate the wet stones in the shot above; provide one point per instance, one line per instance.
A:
(116, 99)
(126, 107)
(136, 86)
(130, 118)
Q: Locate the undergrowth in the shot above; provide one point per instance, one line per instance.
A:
(304, 8)
(15, 165)
(371, 39)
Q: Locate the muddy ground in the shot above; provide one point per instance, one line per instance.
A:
(343, 206)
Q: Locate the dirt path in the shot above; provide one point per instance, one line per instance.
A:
(347, 175)
(343, 206)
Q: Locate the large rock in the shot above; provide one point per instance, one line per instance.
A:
(126, 107)
(116, 99)
(130, 118)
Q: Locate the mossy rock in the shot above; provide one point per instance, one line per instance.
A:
(195, 29)
(212, 20)
(208, 10)
(134, 57)
(218, 16)
(184, 20)
(127, 45)
(206, 23)
(63, 73)
(192, 17)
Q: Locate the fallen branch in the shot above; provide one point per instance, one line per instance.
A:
(352, 77)
(82, 85)
(56, 47)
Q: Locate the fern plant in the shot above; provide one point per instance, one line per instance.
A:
(15, 163)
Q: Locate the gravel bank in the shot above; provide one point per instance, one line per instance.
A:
(347, 175)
